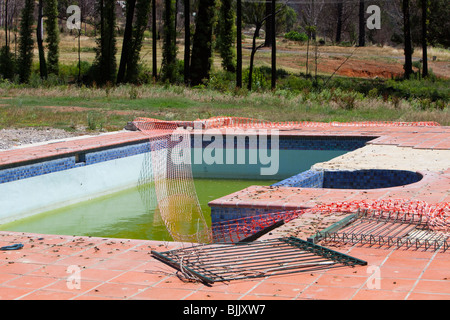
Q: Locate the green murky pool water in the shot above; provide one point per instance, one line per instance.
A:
(122, 214)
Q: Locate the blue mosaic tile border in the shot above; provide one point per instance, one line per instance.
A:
(27, 171)
(78, 160)
(357, 179)
(323, 143)
(306, 179)
(116, 153)
(219, 214)
(301, 143)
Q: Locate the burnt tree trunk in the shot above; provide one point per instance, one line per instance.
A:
(407, 35)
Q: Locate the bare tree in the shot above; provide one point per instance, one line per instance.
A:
(310, 13)
(424, 4)
(39, 38)
(87, 8)
(362, 24)
(255, 14)
(340, 10)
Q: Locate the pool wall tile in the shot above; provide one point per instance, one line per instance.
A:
(32, 170)
(220, 214)
(307, 179)
(75, 161)
(113, 153)
(295, 143)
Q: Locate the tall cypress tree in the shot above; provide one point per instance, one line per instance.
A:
(238, 44)
(169, 64)
(202, 43)
(7, 62)
(187, 40)
(154, 41)
(26, 42)
(51, 11)
(142, 17)
(225, 35)
(105, 64)
(127, 37)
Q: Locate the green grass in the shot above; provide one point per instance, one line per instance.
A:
(110, 109)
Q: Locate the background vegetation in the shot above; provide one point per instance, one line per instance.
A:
(104, 74)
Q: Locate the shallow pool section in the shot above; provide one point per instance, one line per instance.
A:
(121, 214)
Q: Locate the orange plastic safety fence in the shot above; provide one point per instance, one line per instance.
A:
(148, 125)
(236, 230)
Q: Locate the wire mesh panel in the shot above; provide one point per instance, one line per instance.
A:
(214, 263)
(388, 230)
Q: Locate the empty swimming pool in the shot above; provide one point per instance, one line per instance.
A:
(104, 208)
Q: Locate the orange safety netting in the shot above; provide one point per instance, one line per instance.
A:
(236, 230)
(167, 184)
(148, 125)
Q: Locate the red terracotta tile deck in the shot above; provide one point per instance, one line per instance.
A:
(53, 267)
(102, 269)
(70, 146)
(432, 188)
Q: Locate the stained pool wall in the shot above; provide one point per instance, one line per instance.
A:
(46, 184)
(38, 187)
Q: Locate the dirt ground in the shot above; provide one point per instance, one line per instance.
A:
(372, 69)
(368, 62)
(360, 68)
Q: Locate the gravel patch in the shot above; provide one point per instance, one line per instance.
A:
(13, 138)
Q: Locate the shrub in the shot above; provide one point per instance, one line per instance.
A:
(7, 63)
(296, 36)
(259, 79)
(295, 83)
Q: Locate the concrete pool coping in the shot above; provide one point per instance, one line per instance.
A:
(124, 269)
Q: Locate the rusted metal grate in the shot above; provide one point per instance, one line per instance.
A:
(225, 262)
(385, 230)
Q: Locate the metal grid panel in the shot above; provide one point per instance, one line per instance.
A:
(213, 263)
(388, 230)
